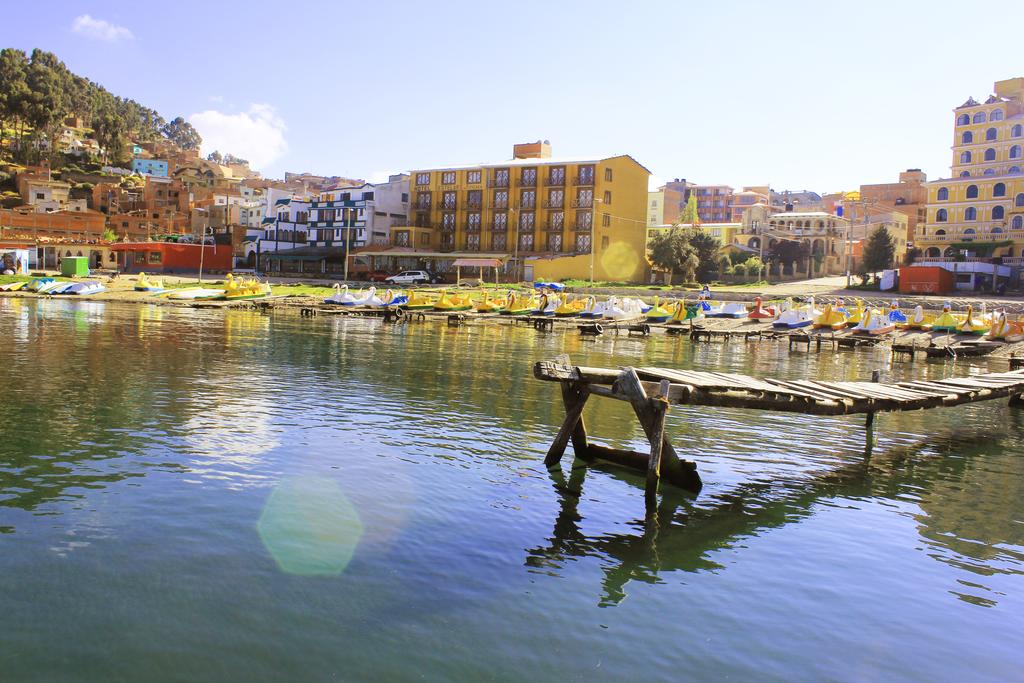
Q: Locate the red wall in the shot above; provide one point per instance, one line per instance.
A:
(926, 280)
(180, 258)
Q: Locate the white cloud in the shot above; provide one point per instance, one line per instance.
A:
(256, 134)
(100, 29)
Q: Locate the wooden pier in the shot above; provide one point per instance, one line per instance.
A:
(651, 391)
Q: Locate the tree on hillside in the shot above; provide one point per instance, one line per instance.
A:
(180, 132)
(690, 215)
(14, 91)
(879, 251)
(215, 157)
(671, 250)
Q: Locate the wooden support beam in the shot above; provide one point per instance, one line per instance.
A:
(876, 376)
(574, 398)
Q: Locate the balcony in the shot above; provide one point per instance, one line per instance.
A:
(498, 183)
(449, 206)
(501, 206)
(527, 206)
(473, 228)
(582, 203)
(554, 182)
(448, 228)
(528, 182)
(554, 203)
(582, 227)
(583, 180)
(557, 227)
(474, 204)
(422, 206)
(498, 227)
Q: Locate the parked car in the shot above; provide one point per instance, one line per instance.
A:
(377, 276)
(412, 277)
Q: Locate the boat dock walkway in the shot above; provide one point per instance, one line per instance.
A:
(652, 390)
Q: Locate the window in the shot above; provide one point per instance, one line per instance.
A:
(583, 242)
(586, 176)
(997, 115)
(990, 134)
(156, 257)
(528, 199)
(473, 242)
(972, 191)
(606, 220)
(965, 157)
(1013, 170)
(584, 199)
(473, 177)
(556, 176)
(556, 220)
(963, 120)
(584, 220)
(979, 117)
(473, 222)
(1015, 152)
(448, 201)
(498, 241)
(423, 200)
(422, 178)
(965, 174)
(555, 241)
(556, 199)
(990, 154)
(501, 177)
(607, 196)
(448, 222)
(967, 138)
(40, 195)
(1017, 131)
(1018, 223)
(1019, 200)
(999, 190)
(501, 199)
(448, 178)
(970, 214)
(528, 177)
(474, 199)
(604, 242)
(998, 213)
(405, 196)
(989, 171)
(943, 194)
(607, 175)
(940, 232)
(526, 221)
(367, 196)
(941, 216)
(526, 241)
(501, 221)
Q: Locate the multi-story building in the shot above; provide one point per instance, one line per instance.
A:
(713, 203)
(317, 233)
(977, 213)
(153, 167)
(750, 196)
(551, 218)
(665, 205)
(909, 196)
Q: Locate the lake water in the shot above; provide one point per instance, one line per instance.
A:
(221, 495)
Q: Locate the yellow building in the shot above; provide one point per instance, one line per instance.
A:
(978, 213)
(550, 218)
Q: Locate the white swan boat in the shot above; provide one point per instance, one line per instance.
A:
(875, 323)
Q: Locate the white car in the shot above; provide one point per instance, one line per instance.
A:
(411, 277)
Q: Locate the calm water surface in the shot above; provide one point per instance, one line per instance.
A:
(194, 495)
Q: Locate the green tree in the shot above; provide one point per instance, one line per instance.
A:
(880, 251)
(14, 91)
(706, 247)
(215, 157)
(180, 132)
(109, 235)
(690, 215)
(671, 250)
(754, 266)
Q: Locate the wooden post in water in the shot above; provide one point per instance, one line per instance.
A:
(574, 398)
(876, 376)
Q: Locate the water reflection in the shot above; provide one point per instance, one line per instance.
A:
(965, 514)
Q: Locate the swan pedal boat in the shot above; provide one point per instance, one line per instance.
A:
(570, 309)
(683, 313)
(594, 308)
(417, 301)
(760, 312)
(830, 318)
(626, 308)
(657, 314)
(974, 325)
(793, 318)
(727, 310)
(875, 323)
(490, 305)
(1006, 330)
(920, 321)
(453, 302)
(144, 284)
(195, 293)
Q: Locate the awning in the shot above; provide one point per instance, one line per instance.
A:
(477, 263)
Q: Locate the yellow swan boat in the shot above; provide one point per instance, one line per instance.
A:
(245, 289)
(972, 325)
(492, 305)
(657, 313)
(418, 301)
(830, 318)
(520, 305)
(858, 314)
(144, 284)
(570, 308)
(947, 320)
(453, 302)
(682, 313)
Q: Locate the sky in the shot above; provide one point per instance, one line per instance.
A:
(802, 95)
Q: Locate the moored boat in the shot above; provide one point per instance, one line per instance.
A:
(947, 321)
(144, 284)
(875, 323)
(657, 314)
(452, 302)
(760, 312)
(520, 305)
(1005, 329)
(974, 324)
(793, 318)
(919, 321)
(830, 318)
(417, 301)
